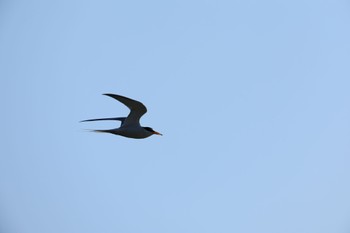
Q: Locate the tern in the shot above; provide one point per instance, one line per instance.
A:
(130, 126)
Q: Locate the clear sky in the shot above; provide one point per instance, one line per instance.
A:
(252, 98)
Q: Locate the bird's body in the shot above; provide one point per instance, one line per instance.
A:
(130, 125)
(129, 132)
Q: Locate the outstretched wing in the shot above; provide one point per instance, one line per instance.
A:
(137, 109)
(122, 119)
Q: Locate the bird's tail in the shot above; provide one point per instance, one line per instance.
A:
(101, 130)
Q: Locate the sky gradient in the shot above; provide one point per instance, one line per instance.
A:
(252, 98)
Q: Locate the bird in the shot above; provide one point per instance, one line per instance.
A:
(130, 126)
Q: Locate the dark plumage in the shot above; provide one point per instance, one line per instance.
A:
(130, 125)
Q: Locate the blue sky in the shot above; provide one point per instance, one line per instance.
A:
(252, 98)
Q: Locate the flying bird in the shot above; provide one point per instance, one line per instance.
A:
(130, 126)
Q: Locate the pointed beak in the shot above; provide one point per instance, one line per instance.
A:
(155, 132)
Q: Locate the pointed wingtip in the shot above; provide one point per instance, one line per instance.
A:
(110, 95)
(84, 121)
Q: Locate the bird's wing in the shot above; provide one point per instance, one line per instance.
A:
(122, 119)
(137, 109)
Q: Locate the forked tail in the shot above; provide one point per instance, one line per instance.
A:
(101, 130)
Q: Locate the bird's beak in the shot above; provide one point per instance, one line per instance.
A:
(155, 132)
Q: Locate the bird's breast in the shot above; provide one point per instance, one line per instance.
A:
(132, 132)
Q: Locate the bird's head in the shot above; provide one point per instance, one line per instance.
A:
(152, 131)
